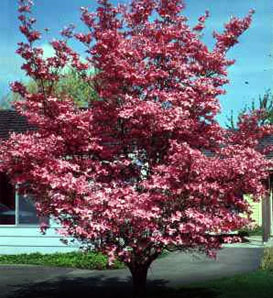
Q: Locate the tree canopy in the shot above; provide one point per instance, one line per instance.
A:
(130, 175)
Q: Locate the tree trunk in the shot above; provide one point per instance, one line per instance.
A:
(139, 275)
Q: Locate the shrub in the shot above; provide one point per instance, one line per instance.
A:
(255, 231)
(267, 260)
(81, 260)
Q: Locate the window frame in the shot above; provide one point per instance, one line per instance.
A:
(16, 210)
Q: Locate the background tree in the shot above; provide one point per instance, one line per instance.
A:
(5, 102)
(265, 104)
(128, 175)
(71, 84)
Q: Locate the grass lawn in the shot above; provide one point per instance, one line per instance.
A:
(257, 284)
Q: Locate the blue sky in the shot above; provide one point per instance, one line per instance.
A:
(250, 77)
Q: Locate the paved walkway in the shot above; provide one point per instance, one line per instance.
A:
(174, 270)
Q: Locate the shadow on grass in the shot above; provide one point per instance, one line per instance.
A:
(197, 292)
(101, 287)
(250, 285)
(95, 287)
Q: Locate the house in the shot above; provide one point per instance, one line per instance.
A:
(19, 223)
(264, 209)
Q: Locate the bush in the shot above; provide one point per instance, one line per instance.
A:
(267, 260)
(255, 231)
(89, 260)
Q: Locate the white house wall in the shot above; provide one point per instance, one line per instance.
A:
(28, 239)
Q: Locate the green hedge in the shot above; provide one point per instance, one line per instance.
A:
(267, 260)
(256, 231)
(81, 260)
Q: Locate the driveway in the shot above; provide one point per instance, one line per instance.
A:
(174, 270)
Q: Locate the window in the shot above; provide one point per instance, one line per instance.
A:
(15, 209)
(7, 202)
(26, 211)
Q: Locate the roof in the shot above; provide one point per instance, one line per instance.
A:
(267, 142)
(11, 121)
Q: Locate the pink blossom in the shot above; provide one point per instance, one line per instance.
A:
(128, 176)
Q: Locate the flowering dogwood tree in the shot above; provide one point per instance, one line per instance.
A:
(131, 175)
